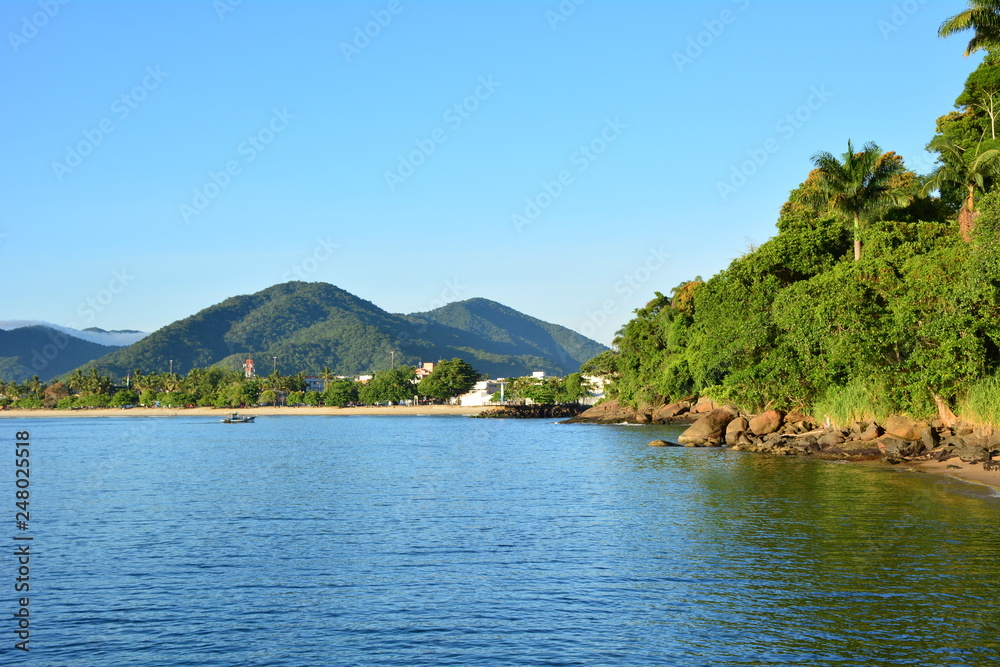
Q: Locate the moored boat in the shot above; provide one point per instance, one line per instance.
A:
(237, 418)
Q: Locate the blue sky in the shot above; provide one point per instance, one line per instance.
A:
(565, 159)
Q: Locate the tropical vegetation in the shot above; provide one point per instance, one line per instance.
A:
(879, 294)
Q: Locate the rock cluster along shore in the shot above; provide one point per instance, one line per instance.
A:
(794, 434)
(532, 412)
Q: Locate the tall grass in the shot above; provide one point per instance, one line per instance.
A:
(850, 403)
(981, 403)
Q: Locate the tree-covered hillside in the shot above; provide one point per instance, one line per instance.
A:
(881, 288)
(311, 326)
(43, 351)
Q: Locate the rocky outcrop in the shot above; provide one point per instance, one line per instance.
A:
(709, 430)
(895, 440)
(767, 423)
(609, 412)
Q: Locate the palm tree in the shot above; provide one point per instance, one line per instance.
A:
(77, 381)
(326, 375)
(862, 186)
(983, 17)
(966, 169)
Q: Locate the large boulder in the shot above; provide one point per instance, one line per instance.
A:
(709, 429)
(767, 422)
(929, 437)
(903, 427)
(704, 406)
(873, 432)
(671, 410)
(832, 439)
(896, 448)
(609, 412)
(735, 429)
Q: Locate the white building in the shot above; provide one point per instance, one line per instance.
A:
(481, 394)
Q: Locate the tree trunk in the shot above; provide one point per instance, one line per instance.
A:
(967, 217)
(857, 239)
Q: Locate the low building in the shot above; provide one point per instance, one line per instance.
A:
(481, 394)
(314, 383)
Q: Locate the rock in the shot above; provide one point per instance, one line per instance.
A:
(609, 412)
(857, 428)
(736, 429)
(832, 439)
(711, 426)
(704, 406)
(898, 448)
(767, 422)
(903, 427)
(929, 437)
(671, 410)
(795, 416)
(972, 453)
(660, 443)
(873, 432)
(643, 418)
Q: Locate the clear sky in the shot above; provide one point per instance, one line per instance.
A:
(563, 159)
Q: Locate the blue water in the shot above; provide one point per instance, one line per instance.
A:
(452, 541)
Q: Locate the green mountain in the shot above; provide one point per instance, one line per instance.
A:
(505, 331)
(309, 326)
(43, 351)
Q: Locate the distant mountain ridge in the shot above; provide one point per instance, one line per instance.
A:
(304, 327)
(44, 351)
(114, 338)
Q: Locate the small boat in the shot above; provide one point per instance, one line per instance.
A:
(236, 418)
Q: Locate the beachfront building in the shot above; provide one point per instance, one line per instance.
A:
(481, 394)
(425, 369)
(314, 383)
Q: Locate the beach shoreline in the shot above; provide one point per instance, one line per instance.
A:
(269, 411)
(966, 472)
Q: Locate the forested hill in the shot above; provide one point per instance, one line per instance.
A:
(503, 330)
(880, 293)
(43, 351)
(311, 326)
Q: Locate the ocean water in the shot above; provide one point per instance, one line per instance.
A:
(308, 540)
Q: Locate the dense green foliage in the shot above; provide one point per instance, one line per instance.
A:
(450, 378)
(796, 323)
(312, 326)
(393, 385)
(547, 390)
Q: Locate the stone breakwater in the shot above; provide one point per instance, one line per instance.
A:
(896, 440)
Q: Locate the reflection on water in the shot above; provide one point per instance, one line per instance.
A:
(400, 540)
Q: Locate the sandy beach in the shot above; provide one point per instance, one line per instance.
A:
(968, 472)
(261, 411)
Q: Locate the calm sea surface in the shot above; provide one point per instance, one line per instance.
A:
(446, 540)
